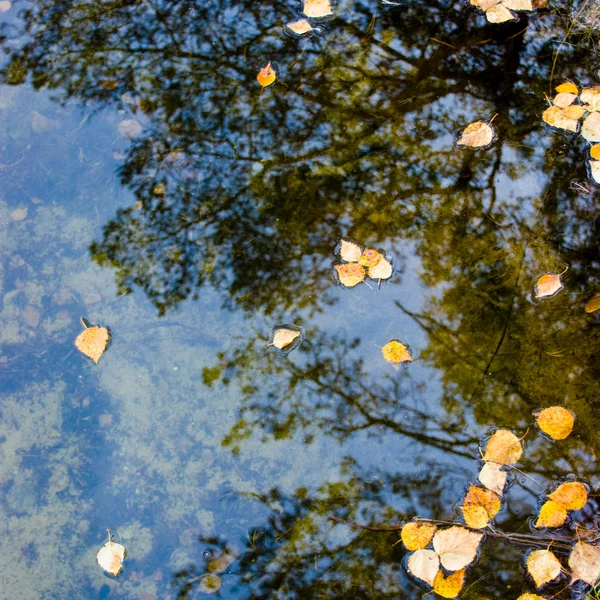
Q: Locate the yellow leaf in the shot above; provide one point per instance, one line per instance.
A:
(555, 117)
(518, 4)
(93, 340)
(593, 304)
(493, 477)
(369, 257)
(571, 495)
(424, 565)
(284, 337)
(396, 352)
(567, 87)
(499, 14)
(480, 506)
(551, 514)
(548, 285)
(556, 421)
(477, 134)
(595, 152)
(484, 4)
(449, 587)
(543, 566)
(594, 167)
(575, 111)
(584, 562)
(350, 274)
(417, 535)
(382, 270)
(350, 251)
(456, 546)
(591, 96)
(317, 8)
(266, 76)
(209, 584)
(300, 27)
(564, 99)
(530, 597)
(110, 557)
(590, 129)
(503, 448)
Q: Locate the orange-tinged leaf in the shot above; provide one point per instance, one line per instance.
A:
(551, 514)
(369, 257)
(110, 557)
(266, 76)
(493, 477)
(590, 129)
(93, 340)
(595, 152)
(567, 87)
(350, 251)
(591, 96)
(300, 27)
(593, 304)
(417, 535)
(317, 8)
(548, 285)
(564, 99)
(350, 274)
(477, 134)
(456, 546)
(518, 4)
(499, 14)
(556, 117)
(503, 447)
(575, 111)
(480, 506)
(396, 352)
(382, 270)
(584, 562)
(571, 495)
(424, 565)
(556, 421)
(284, 337)
(449, 587)
(543, 566)
(530, 597)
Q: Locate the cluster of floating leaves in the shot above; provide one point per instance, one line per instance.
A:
(500, 11)
(359, 262)
(578, 112)
(439, 557)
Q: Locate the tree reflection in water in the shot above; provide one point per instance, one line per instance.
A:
(354, 139)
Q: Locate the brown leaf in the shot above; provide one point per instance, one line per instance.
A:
(456, 546)
(350, 274)
(93, 340)
(548, 285)
(266, 76)
(503, 447)
(556, 421)
(543, 566)
(477, 134)
(584, 562)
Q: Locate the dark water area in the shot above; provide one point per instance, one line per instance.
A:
(149, 183)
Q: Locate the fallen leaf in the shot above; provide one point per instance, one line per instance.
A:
(19, 214)
(301, 27)
(350, 251)
(593, 304)
(484, 4)
(382, 270)
(456, 546)
(424, 565)
(266, 76)
(571, 495)
(317, 8)
(5, 6)
(543, 566)
(556, 421)
(548, 285)
(209, 584)
(594, 167)
(93, 340)
(518, 4)
(480, 506)
(129, 128)
(222, 562)
(590, 129)
(555, 117)
(591, 96)
(284, 337)
(493, 477)
(551, 514)
(416, 535)
(110, 557)
(369, 257)
(350, 274)
(499, 14)
(584, 562)
(530, 597)
(396, 352)
(159, 189)
(595, 152)
(449, 587)
(503, 447)
(477, 134)
(567, 87)
(564, 99)
(575, 111)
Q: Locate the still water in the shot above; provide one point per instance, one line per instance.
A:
(149, 184)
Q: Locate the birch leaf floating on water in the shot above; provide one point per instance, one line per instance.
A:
(518, 4)
(129, 128)
(564, 99)
(493, 477)
(476, 135)
(456, 546)
(266, 76)
(548, 285)
(286, 337)
(567, 87)
(317, 8)
(530, 597)
(480, 506)
(543, 566)
(503, 448)
(584, 561)
(5, 6)
(499, 14)
(382, 270)
(591, 97)
(555, 421)
(571, 495)
(396, 352)
(449, 587)
(350, 251)
(210, 583)
(424, 565)
(594, 169)
(300, 27)
(417, 535)
(110, 557)
(595, 152)
(590, 129)
(350, 274)
(93, 340)
(369, 257)
(593, 304)
(557, 117)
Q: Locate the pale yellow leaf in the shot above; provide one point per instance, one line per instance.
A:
(350, 251)
(575, 111)
(493, 477)
(5, 6)
(484, 4)
(317, 8)
(350, 274)
(476, 135)
(284, 337)
(564, 99)
(110, 557)
(584, 562)
(382, 270)
(456, 546)
(518, 4)
(590, 129)
(548, 285)
(424, 565)
(19, 214)
(93, 341)
(543, 566)
(499, 14)
(591, 96)
(300, 27)
(530, 597)
(594, 166)
(555, 117)
(222, 562)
